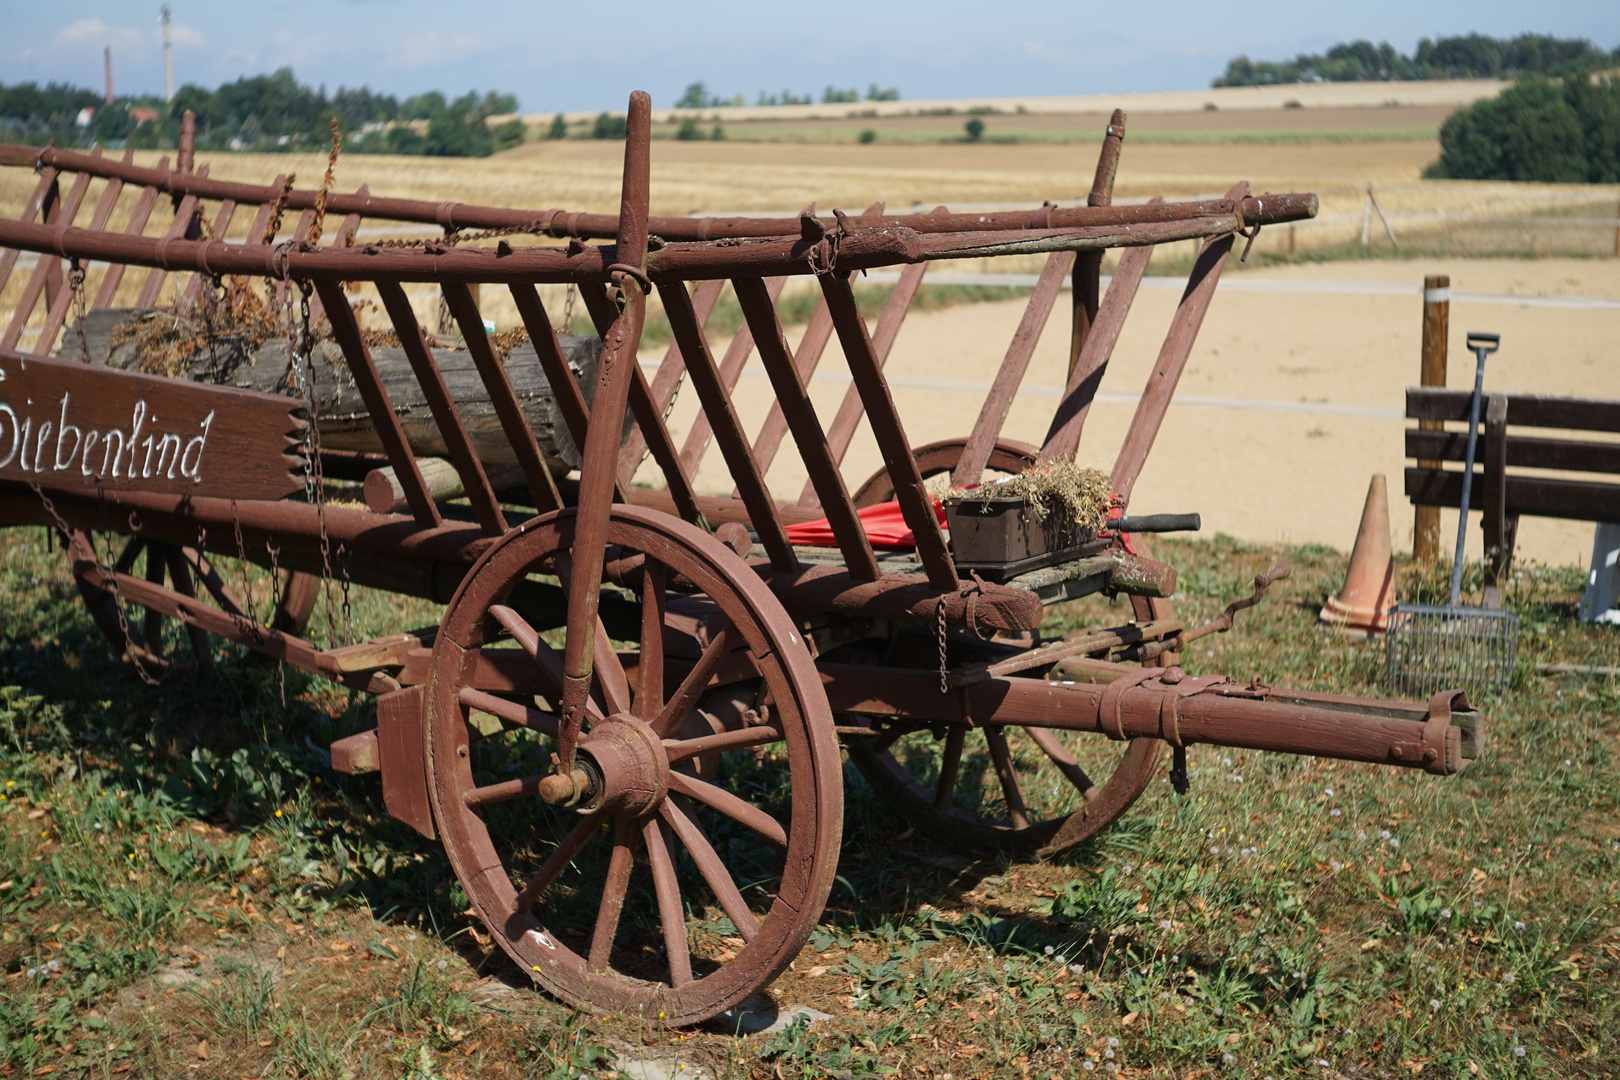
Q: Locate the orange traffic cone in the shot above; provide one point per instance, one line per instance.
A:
(1369, 585)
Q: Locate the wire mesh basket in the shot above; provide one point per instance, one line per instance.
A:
(1432, 647)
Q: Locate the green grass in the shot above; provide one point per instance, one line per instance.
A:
(181, 876)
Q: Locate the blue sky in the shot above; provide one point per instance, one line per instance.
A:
(590, 55)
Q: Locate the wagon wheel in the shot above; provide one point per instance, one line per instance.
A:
(139, 635)
(1003, 789)
(661, 893)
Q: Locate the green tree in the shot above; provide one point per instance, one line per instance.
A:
(608, 126)
(1536, 130)
(974, 129)
(558, 128)
(689, 130)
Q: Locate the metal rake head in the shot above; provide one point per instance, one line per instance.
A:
(1432, 647)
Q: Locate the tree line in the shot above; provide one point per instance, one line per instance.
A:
(263, 113)
(1561, 132)
(1473, 56)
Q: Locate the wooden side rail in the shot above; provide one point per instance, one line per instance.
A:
(1504, 497)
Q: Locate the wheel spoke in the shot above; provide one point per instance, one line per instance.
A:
(572, 844)
(126, 558)
(1065, 762)
(650, 691)
(738, 810)
(549, 659)
(951, 766)
(714, 871)
(205, 573)
(505, 791)
(1008, 777)
(511, 711)
(180, 576)
(152, 625)
(670, 911)
(718, 743)
(610, 677)
(614, 889)
(692, 687)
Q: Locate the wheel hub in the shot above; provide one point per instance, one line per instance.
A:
(625, 770)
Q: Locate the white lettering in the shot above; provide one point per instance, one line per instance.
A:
(168, 448)
(27, 430)
(197, 442)
(146, 462)
(91, 437)
(16, 435)
(134, 437)
(39, 445)
(109, 456)
(61, 433)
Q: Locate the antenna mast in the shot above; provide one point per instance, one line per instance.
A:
(168, 58)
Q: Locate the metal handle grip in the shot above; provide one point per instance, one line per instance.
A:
(1156, 523)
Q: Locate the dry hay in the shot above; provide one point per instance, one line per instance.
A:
(1083, 495)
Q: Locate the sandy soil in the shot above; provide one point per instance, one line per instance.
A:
(1260, 475)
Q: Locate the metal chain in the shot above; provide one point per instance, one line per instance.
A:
(247, 585)
(110, 575)
(939, 626)
(80, 313)
(568, 311)
(314, 479)
(348, 614)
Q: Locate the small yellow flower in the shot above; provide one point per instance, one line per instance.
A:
(278, 813)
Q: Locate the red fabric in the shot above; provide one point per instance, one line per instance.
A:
(884, 525)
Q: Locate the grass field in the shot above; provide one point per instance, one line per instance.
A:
(188, 890)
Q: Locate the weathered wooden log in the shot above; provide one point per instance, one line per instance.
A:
(386, 495)
(342, 419)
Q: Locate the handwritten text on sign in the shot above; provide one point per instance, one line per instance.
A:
(70, 425)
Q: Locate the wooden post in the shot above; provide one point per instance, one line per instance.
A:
(1617, 232)
(1436, 323)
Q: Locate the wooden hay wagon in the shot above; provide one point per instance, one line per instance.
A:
(626, 729)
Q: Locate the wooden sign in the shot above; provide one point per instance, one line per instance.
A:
(69, 425)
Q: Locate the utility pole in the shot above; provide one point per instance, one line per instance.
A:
(107, 56)
(168, 58)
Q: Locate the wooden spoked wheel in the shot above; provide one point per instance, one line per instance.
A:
(141, 634)
(1002, 789)
(699, 856)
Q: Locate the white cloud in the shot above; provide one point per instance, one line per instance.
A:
(82, 36)
(187, 36)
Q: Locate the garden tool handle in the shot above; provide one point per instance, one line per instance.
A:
(1155, 523)
(1483, 345)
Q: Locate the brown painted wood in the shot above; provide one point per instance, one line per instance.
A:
(474, 480)
(340, 239)
(848, 418)
(668, 378)
(1178, 343)
(178, 230)
(1493, 499)
(54, 320)
(1525, 410)
(867, 371)
(1087, 277)
(221, 225)
(1062, 440)
(754, 295)
(69, 426)
(647, 416)
(1522, 451)
(571, 404)
(62, 213)
(364, 372)
(1010, 375)
(1527, 496)
(1432, 372)
(542, 488)
(36, 203)
(108, 293)
(261, 219)
(805, 360)
(731, 369)
(728, 429)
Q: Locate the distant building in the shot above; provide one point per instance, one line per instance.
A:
(142, 115)
(86, 115)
